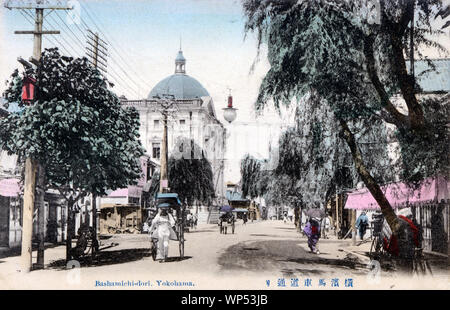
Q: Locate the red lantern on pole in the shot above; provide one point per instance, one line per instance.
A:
(28, 89)
(230, 101)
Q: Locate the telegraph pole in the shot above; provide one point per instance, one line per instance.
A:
(166, 103)
(31, 165)
(97, 53)
(163, 180)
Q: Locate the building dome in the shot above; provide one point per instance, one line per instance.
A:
(180, 85)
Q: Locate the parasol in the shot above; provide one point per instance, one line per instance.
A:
(226, 208)
(315, 212)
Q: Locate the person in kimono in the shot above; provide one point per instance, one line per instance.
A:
(361, 224)
(161, 230)
(402, 245)
(312, 231)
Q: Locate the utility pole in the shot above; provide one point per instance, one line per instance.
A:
(166, 103)
(31, 165)
(97, 53)
(164, 182)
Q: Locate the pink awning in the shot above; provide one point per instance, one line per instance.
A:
(130, 191)
(400, 195)
(121, 192)
(9, 187)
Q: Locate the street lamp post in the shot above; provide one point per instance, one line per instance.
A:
(229, 112)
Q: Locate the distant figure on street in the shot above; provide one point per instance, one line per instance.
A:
(361, 224)
(291, 214)
(195, 220)
(326, 223)
(312, 231)
(244, 218)
(145, 227)
(285, 217)
(189, 220)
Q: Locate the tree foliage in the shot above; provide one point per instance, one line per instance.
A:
(352, 55)
(76, 127)
(190, 174)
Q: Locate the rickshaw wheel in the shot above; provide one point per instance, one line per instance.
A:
(154, 249)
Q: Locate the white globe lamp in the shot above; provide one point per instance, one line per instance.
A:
(229, 113)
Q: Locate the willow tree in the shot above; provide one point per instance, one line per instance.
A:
(76, 128)
(353, 55)
(190, 174)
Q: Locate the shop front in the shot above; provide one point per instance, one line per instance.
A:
(121, 211)
(429, 203)
(10, 213)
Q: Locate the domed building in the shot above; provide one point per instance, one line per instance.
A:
(193, 116)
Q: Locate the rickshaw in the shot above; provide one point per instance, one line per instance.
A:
(87, 243)
(171, 201)
(226, 218)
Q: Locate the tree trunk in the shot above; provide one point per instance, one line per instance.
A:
(94, 220)
(40, 202)
(369, 181)
(300, 214)
(296, 216)
(406, 83)
(70, 228)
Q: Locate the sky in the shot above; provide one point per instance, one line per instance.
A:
(143, 38)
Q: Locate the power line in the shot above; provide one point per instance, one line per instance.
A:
(74, 35)
(28, 15)
(113, 47)
(128, 86)
(113, 75)
(64, 39)
(112, 58)
(76, 25)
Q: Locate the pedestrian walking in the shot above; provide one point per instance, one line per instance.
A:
(326, 223)
(361, 224)
(195, 220)
(189, 220)
(290, 215)
(244, 218)
(312, 231)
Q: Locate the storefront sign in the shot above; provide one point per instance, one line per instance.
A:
(9, 187)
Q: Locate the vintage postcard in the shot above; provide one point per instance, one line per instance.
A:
(224, 144)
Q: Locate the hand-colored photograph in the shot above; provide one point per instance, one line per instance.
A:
(224, 145)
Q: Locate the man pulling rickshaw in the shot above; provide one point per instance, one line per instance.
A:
(162, 231)
(165, 226)
(226, 219)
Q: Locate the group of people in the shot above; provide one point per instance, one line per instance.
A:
(191, 220)
(402, 245)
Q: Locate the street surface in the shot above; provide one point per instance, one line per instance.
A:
(257, 253)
